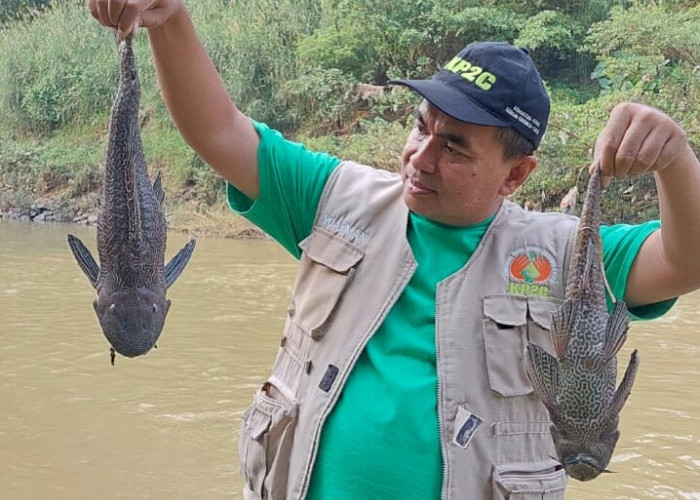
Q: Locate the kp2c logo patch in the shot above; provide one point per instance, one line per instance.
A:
(530, 271)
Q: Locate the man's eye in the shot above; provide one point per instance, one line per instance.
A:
(451, 150)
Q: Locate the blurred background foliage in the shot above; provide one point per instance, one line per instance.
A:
(317, 69)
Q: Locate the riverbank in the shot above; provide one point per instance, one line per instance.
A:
(325, 86)
(190, 217)
(191, 210)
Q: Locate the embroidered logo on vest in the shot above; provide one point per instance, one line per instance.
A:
(343, 228)
(530, 270)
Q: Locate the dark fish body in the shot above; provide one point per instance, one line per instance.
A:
(131, 280)
(578, 386)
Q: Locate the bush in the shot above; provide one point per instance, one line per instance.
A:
(301, 65)
(14, 9)
(651, 53)
(67, 162)
(58, 68)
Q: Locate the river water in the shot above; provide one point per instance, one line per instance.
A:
(166, 425)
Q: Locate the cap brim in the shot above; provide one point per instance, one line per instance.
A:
(452, 102)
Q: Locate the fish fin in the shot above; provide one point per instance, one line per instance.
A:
(615, 331)
(623, 391)
(158, 192)
(562, 325)
(85, 259)
(176, 265)
(543, 371)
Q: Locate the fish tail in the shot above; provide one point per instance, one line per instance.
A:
(585, 272)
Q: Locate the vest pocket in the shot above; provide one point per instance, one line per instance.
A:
(510, 322)
(529, 481)
(266, 436)
(326, 269)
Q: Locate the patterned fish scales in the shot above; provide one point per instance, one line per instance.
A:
(578, 386)
(131, 220)
(587, 381)
(131, 280)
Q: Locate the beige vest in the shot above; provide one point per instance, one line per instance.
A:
(494, 432)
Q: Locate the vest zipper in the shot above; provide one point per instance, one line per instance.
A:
(443, 447)
(355, 355)
(443, 443)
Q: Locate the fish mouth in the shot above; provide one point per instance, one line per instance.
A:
(130, 343)
(583, 467)
(130, 350)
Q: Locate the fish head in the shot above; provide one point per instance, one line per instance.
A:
(586, 456)
(132, 319)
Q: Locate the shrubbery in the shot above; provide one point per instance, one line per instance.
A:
(315, 70)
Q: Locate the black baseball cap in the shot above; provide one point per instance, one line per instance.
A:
(490, 83)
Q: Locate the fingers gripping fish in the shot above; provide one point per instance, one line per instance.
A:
(578, 386)
(131, 280)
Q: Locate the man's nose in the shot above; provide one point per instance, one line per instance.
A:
(425, 157)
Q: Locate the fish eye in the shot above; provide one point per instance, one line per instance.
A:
(112, 308)
(155, 307)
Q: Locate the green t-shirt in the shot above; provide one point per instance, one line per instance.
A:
(382, 440)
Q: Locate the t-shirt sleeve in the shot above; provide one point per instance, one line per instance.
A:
(291, 179)
(621, 244)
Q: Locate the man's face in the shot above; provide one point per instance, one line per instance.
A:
(454, 172)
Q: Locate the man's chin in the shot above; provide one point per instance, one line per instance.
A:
(417, 204)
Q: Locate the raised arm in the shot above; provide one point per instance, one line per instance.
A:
(192, 89)
(639, 139)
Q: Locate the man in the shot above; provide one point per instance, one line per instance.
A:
(399, 373)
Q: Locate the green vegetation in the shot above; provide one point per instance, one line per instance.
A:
(316, 70)
(15, 9)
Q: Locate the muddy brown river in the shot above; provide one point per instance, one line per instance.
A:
(166, 425)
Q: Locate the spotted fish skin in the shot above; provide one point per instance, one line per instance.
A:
(131, 280)
(578, 385)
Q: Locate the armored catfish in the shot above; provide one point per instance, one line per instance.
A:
(578, 386)
(131, 280)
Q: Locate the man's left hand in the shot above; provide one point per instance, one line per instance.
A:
(637, 139)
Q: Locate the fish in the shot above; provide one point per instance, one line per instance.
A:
(577, 387)
(131, 279)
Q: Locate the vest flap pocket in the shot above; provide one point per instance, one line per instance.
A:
(541, 310)
(529, 481)
(505, 334)
(267, 431)
(506, 309)
(331, 251)
(257, 423)
(510, 322)
(326, 269)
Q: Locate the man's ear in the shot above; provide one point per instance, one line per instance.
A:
(520, 169)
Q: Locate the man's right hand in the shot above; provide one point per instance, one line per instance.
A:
(126, 15)
(196, 98)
